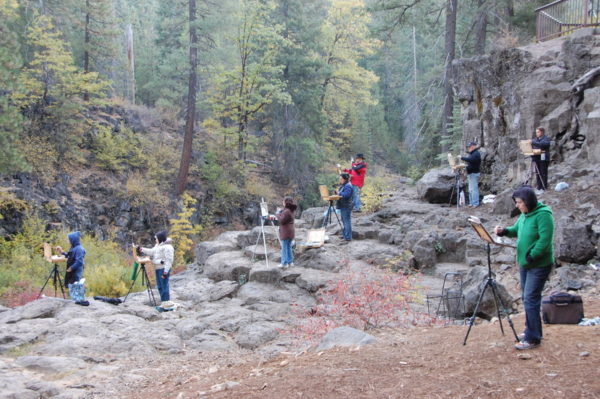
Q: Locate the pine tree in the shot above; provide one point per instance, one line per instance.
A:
(11, 158)
(52, 88)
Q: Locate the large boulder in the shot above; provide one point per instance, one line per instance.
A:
(229, 265)
(475, 281)
(345, 336)
(207, 248)
(39, 309)
(313, 280)
(436, 186)
(256, 334)
(573, 242)
(313, 217)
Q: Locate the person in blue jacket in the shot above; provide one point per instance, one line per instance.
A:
(344, 204)
(75, 258)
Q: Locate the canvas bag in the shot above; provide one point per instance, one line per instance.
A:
(77, 291)
(562, 308)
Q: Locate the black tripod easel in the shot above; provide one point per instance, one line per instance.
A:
(145, 279)
(490, 282)
(534, 171)
(457, 168)
(56, 282)
(456, 188)
(331, 210)
(55, 273)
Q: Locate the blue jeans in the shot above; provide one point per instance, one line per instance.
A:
(162, 284)
(347, 222)
(287, 256)
(356, 198)
(473, 180)
(532, 284)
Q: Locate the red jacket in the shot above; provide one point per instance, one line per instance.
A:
(357, 173)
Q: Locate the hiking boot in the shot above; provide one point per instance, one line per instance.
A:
(291, 264)
(521, 337)
(524, 345)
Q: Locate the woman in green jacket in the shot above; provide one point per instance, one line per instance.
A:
(535, 255)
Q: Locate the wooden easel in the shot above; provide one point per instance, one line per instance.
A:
(54, 274)
(325, 196)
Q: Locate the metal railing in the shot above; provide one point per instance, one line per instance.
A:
(564, 16)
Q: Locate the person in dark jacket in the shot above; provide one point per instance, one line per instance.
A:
(75, 264)
(287, 231)
(473, 161)
(75, 258)
(344, 204)
(357, 173)
(535, 255)
(541, 143)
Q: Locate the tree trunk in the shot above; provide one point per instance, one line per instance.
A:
(86, 46)
(449, 51)
(186, 155)
(130, 64)
(480, 28)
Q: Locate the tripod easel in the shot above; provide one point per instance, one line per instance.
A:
(331, 209)
(141, 261)
(529, 151)
(55, 273)
(457, 168)
(533, 171)
(490, 281)
(264, 214)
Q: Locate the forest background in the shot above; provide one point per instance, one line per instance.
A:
(253, 98)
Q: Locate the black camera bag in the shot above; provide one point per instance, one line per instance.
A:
(562, 308)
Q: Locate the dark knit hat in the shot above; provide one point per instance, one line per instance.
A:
(360, 155)
(161, 236)
(345, 176)
(472, 143)
(527, 194)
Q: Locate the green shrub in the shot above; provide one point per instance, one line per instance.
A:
(116, 151)
(23, 269)
(373, 192)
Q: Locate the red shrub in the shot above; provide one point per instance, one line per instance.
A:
(364, 301)
(20, 293)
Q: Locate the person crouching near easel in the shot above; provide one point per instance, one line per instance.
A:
(344, 204)
(287, 231)
(535, 255)
(75, 264)
(162, 257)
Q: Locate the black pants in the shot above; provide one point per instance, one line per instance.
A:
(541, 174)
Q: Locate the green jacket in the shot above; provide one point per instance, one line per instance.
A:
(535, 235)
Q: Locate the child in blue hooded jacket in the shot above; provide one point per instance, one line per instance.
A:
(75, 258)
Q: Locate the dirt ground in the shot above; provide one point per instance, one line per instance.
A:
(413, 363)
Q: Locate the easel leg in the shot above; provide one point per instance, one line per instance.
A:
(475, 312)
(148, 287)
(137, 272)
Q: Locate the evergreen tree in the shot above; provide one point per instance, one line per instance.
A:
(52, 89)
(11, 158)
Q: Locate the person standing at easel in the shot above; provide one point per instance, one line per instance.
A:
(473, 161)
(344, 204)
(357, 173)
(541, 157)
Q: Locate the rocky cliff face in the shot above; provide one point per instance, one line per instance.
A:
(506, 94)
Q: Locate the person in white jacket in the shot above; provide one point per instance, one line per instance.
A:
(162, 258)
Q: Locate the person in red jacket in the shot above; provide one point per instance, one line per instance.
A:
(357, 178)
(286, 231)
